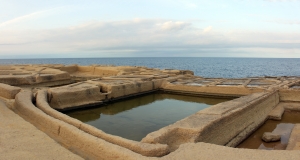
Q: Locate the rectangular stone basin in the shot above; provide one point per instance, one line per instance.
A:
(134, 118)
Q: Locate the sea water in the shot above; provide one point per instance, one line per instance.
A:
(206, 67)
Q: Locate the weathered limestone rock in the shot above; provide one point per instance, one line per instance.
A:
(75, 95)
(8, 91)
(124, 87)
(270, 137)
(277, 112)
(289, 95)
(230, 91)
(70, 68)
(28, 75)
(292, 106)
(206, 151)
(21, 140)
(294, 141)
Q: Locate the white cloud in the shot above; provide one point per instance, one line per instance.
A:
(144, 37)
(207, 29)
(170, 25)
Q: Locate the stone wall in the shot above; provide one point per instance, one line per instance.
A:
(214, 91)
(226, 123)
(8, 91)
(289, 95)
(119, 88)
(70, 69)
(75, 95)
(294, 141)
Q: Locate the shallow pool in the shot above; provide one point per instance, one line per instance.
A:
(134, 118)
(283, 127)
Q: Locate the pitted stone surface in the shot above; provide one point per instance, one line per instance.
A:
(21, 140)
(270, 137)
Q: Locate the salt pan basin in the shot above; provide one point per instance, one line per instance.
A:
(134, 118)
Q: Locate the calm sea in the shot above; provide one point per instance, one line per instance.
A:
(206, 67)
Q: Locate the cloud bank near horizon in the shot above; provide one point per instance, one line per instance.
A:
(148, 37)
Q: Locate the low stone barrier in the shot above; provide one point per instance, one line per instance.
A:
(74, 95)
(277, 112)
(215, 91)
(226, 123)
(120, 88)
(105, 71)
(152, 150)
(74, 139)
(70, 68)
(289, 95)
(294, 141)
(8, 91)
(206, 151)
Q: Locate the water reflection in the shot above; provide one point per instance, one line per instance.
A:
(283, 127)
(135, 118)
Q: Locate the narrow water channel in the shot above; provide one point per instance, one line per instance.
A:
(283, 127)
(134, 118)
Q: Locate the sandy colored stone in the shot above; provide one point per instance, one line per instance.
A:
(8, 91)
(294, 141)
(124, 87)
(292, 106)
(75, 95)
(289, 95)
(21, 140)
(271, 137)
(277, 112)
(70, 68)
(229, 91)
(32, 74)
(205, 151)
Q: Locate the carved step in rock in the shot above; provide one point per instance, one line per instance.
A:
(271, 137)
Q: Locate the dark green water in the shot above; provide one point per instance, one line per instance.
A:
(135, 118)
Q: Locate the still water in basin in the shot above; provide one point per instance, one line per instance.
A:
(283, 127)
(136, 117)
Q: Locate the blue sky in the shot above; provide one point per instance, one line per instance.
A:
(156, 28)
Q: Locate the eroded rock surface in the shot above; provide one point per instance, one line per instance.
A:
(271, 137)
